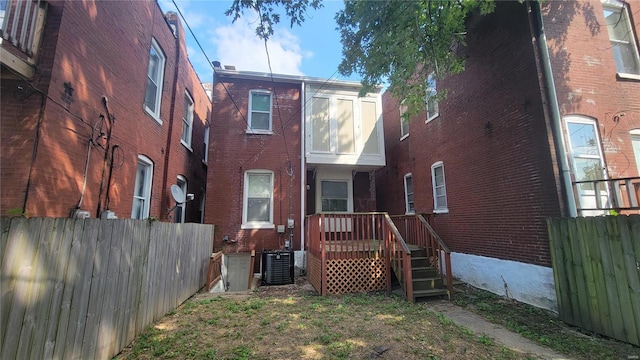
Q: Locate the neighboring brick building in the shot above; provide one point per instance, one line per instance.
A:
(99, 68)
(488, 153)
(258, 176)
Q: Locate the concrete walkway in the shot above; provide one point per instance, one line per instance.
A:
(479, 325)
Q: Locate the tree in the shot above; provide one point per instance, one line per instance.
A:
(295, 10)
(401, 42)
(404, 42)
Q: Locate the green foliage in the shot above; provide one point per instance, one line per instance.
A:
(404, 42)
(268, 11)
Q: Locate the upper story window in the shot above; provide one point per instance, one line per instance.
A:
(439, 188)
(205, 149)
(142, 190)
(187, 121)
(180, 211)
(623, 43)
(431, 100)
(408, 194)
(155, 77)
(258, 200)
(404, 122)
(259, 111)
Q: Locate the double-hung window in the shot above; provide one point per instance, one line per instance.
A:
(187, 121)
(259, 111)
(408, 194)
(334, 196)
(431, 99)
(439, 188)
(404, 122)
(258, 200)
(205, 148)
(180, 211)
(142, 190)
(623, 43)
(155, 75)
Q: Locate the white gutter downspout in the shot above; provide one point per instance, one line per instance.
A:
(556, 118)
(303, 173)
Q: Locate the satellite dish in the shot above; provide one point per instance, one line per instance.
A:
(177, 194)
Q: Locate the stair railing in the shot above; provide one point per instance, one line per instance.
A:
(436, 250)
(398, 256)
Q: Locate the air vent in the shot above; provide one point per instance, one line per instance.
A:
(277, 267)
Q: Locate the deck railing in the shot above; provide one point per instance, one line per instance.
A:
(416, 230)
(617, 194)
(334, 236)
(21, 26)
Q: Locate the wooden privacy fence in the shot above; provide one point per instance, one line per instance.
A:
(83, 289)
(596, 263)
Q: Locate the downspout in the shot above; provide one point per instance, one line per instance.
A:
(556, 118)
(303, 180)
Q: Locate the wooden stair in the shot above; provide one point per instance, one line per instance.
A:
(426, 281)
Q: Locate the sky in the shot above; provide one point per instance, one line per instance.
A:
(312, 49)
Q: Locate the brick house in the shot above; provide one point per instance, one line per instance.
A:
(549, 97)
(286, 147)
(101, 112)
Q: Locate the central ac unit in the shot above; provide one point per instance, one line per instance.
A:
(277, 267)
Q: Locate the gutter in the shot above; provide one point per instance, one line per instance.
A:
(554, 108)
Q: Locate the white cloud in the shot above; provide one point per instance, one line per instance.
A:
(237, 44)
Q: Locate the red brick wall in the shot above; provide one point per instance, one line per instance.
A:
(102, 49)
(233, 152)
(585, 76)
(492, 137)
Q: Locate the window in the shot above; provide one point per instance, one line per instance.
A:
(258, 200)
(259, 111)
(335, 196)
(586, 160)
(205, 148)
(404, 122)
(623, 45)
(432, 102)
(439, 188)
(142, 190)
(155, 75)
(180, 210)
(187, 121)
(408, 194)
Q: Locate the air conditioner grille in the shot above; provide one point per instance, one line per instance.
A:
(277, 267)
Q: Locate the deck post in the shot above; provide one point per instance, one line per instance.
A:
(323, 257)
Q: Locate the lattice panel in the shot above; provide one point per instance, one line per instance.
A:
(314, 272)
(355, 275)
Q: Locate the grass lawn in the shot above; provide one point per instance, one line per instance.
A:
(277, 324)
(308, 326)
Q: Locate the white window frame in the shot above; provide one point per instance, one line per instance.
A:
(148, 180)
(439, 208)
(584, 195)
(187, 121)
(181, 208)
(407, 203)
(250, 128)
(246, 224)
(158, 81)
(404, 123)
(205, 141)
(432, 92)
(618, 6)
(635, 138)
